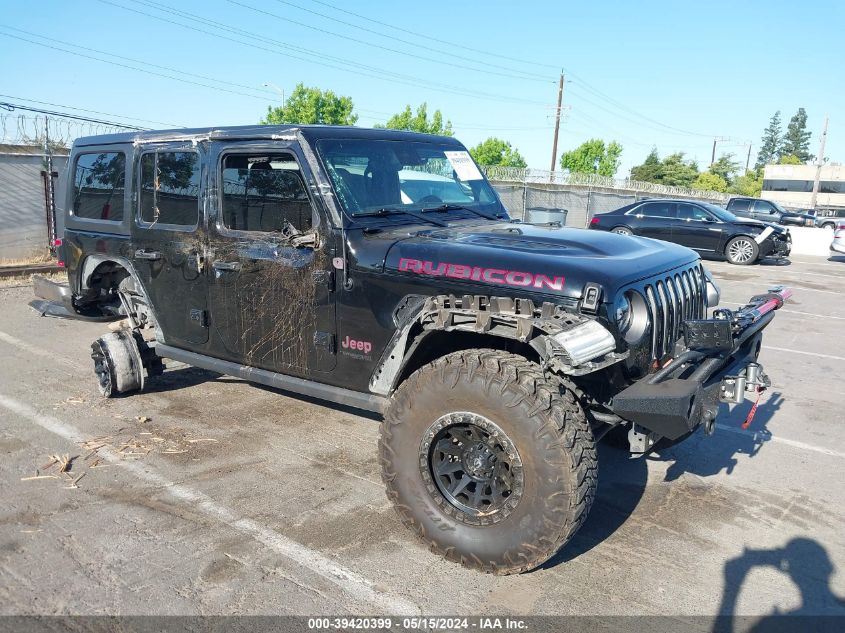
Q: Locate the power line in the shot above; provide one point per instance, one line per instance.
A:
(403, 30)
(60, 105)
(113, 63)
(587, 86)
(15, 106)
(474, 69)
(346, 65)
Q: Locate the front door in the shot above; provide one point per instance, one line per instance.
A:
(696, 228)
(168, 236)
(271, 301)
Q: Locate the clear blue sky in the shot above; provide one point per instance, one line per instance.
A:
(665, 74)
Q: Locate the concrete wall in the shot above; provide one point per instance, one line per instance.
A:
(23, 219)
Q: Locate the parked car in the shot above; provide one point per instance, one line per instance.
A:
(768, 211)
(701, 226)
(831, 219)
(838, 244)
(325, 261)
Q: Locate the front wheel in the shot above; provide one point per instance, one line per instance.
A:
(489, 462)
(742, 251)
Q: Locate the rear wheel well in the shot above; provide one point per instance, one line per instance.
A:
(438, 343)
(101, 285)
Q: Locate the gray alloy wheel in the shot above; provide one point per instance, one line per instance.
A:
(622, 230)
(742, 250)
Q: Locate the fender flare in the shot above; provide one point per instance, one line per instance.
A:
(515, 319)
(92, 262)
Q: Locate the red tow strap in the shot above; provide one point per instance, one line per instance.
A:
(751, 413)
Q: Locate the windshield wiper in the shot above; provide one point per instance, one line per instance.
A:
(454, 207)
(391, 211)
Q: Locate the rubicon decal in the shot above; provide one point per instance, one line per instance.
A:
(476, 273)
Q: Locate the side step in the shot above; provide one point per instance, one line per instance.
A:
(338, 395)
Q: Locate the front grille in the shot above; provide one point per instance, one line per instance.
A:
(672, 299)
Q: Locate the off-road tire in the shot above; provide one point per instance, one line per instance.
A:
(755, 251)
(117, 364)
(545, 423)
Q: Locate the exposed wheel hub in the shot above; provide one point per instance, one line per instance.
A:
(473, 466)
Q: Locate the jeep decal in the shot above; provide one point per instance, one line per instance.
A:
(476, 273)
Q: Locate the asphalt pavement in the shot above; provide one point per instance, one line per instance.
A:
(208, 495)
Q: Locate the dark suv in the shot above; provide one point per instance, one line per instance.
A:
(768, 211)
(378, 269)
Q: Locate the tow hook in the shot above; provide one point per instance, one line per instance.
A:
(753, 380)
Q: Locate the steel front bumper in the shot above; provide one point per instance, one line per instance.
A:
(720, 353)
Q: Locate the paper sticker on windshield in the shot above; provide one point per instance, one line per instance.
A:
(463, 165)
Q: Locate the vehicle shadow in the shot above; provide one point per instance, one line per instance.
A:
(807, 564)
(839, 259)
(622, 483)
(774, 261)
(707, 456)
(181, 378)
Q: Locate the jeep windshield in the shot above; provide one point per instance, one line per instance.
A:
(371, 177)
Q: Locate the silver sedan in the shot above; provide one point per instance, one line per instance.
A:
(838, 244)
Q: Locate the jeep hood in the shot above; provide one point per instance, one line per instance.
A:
(568, 257)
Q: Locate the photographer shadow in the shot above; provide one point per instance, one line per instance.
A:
(808, 565)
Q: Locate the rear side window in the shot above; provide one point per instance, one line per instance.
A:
(99, 185)
(169, 189)
(739, 205)
(264, 193)
(658, 210)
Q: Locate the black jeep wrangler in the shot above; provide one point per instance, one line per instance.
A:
(379, 269)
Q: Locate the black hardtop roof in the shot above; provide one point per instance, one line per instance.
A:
(269, 132)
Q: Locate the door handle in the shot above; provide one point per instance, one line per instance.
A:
(226, 265)
(142, 254)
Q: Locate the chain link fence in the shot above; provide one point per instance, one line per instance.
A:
(535, 195)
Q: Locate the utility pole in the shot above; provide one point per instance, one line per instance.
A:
(557, 123)
(819, 163)
(716, 139)
(748, 158)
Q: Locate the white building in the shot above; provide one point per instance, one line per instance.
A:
(792, 186)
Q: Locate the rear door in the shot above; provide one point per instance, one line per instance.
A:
(656, 219)
(740, 208)
(168, 240)
(697, 228)
(271, 302)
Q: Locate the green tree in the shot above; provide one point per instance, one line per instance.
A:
(419, 122)
(724, 168)
(649, 171)
(796, 141)
(677, 172)
(593, 157)
(495, 151)
(707, 181)
(789, 159)
(770, 144)
(751, 184)
(307, 105)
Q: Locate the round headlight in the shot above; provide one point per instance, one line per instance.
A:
(632, 317)
(623, 314)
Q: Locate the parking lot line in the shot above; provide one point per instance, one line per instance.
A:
(357, 587)
(782, 440)
(798, 351)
